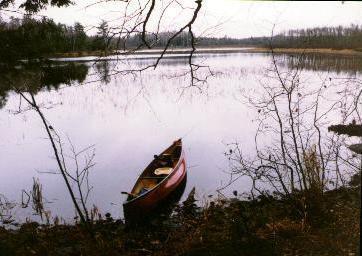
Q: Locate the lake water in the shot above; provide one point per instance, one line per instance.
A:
(129, 118)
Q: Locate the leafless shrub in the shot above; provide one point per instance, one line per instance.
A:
(293, 149)
(76, 173)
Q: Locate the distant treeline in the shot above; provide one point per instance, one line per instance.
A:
(324, 37)
(182, 40)
(29, 38)
(321, 37)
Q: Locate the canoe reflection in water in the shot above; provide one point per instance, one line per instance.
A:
(161, 184)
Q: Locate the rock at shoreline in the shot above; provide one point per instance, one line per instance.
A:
(357, 148)
(350, 130)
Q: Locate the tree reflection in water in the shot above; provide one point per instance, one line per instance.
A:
(36, 77)
(322, 62)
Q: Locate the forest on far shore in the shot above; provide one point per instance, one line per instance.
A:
(30, 38)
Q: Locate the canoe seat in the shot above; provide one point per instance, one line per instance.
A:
(151, 177)
(163, 171)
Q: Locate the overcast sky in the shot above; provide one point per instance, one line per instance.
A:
(231, 17)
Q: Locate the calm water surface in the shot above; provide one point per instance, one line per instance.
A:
(131, 118)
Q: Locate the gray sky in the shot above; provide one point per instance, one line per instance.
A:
(231, 17)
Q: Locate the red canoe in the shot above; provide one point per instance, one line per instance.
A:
(161, 177)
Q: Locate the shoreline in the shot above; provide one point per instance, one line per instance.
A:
(327, 51)
(208, 50)
(264, 226)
